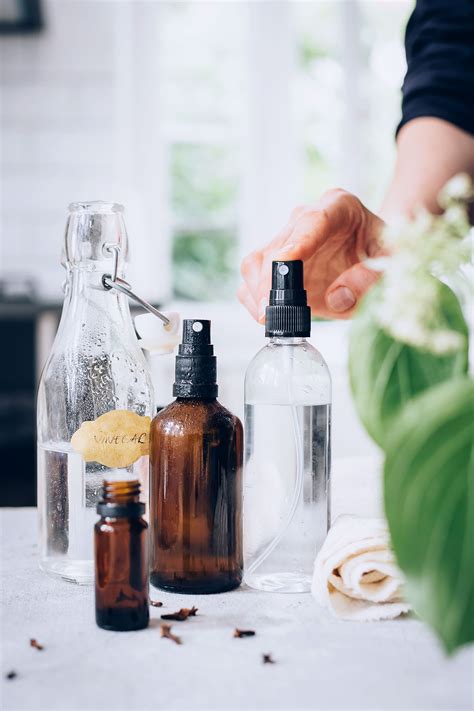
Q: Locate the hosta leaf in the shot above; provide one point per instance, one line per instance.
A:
(429, 502)
(385, 373)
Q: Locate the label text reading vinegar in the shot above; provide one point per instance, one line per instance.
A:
(116, 439)
(141, 438)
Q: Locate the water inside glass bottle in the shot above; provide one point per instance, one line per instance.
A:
(96, 368)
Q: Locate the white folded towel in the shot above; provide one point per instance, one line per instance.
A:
(355, 574)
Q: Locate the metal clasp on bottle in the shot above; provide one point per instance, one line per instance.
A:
(113, 281)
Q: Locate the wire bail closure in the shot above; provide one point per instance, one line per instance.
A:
(113, 281)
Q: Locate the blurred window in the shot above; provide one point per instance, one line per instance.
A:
(266, 105)
(210, 121)
(202, 47)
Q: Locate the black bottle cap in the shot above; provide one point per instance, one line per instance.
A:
(288, 313)
(133, 509)
(196, 369)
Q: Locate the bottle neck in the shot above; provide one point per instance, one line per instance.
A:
(95, 245)
(86, 284)
(120, 499)
(121, 492)
(88, 305)
(286, 341)
(190, 400)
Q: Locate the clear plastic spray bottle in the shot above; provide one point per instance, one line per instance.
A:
(287, 444)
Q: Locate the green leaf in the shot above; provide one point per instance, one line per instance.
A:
(429, 502)
(385, 373)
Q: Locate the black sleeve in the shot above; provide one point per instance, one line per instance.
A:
(439, 44)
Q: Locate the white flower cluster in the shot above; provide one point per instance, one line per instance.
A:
(428, 245)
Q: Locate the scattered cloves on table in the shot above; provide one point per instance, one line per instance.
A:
(34, 643)
(181, 615)
(165, 631)
(156, 603)
(267, 659)
(243, 633)
(11, 675)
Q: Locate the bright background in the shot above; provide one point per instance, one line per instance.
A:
(210, 121)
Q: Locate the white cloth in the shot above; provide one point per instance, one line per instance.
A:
(355, 574)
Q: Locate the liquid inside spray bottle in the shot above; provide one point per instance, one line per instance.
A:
(287, 444)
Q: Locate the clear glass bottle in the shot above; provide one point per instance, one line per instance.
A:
(95, 367)
(287, 444)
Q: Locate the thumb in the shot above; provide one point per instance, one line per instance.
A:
(346, 291)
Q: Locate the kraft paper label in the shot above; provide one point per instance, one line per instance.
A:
(116, 439)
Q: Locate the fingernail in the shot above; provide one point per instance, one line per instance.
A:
(263, 306)
(341, 299)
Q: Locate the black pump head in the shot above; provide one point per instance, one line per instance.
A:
(288, 313)
(196, 369)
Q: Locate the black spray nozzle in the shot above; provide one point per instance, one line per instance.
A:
(287, 314)
(288, 284)
(196, 368)
(196, 338)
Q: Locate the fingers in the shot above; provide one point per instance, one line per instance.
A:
(337, 216)
(249, 291)
(250, 269)
(336, 212)
(309, 229)
(247, 300)
(256, 271)
(345, 292)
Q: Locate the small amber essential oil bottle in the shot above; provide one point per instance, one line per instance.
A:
(196, 478)
(121, 558)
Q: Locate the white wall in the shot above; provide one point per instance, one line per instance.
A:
(74, 127)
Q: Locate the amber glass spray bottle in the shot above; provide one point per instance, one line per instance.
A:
(121, 558)
(196, 478)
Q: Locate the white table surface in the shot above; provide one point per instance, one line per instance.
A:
(321, 662)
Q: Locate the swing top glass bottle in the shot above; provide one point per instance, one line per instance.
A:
(95, 366)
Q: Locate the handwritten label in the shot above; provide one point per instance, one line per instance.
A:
(116, 439)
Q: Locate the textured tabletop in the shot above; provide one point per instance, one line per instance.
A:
(320, 662)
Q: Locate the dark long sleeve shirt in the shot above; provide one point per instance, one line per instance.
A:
(439, 45)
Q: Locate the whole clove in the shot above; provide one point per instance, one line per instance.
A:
(165, 631)
(181, 615)
(34, 643)
(267, 659)
(156, 603)
(243, 633)
(11, 675)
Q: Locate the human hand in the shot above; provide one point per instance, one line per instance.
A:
(331, 236)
